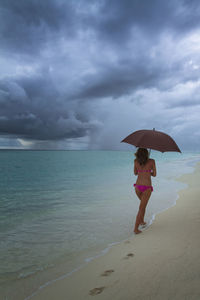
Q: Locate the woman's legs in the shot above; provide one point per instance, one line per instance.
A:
(144, 198)
(139, 194)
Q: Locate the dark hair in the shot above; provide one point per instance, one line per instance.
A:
(142, 156)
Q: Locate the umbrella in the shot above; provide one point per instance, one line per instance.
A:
(152, 139)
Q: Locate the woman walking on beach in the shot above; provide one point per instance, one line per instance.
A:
(144, 167)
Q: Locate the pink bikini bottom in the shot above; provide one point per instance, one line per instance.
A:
(143, 188)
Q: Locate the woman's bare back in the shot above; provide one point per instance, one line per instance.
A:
(144, 172)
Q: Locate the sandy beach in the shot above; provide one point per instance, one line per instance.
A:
(163, 262)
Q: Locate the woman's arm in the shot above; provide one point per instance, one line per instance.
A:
(153, 168)
(135, 169)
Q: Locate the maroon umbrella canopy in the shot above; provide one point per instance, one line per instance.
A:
(152, 139)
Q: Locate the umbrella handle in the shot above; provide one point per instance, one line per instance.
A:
(150, 149)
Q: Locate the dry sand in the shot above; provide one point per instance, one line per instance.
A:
(163, 262)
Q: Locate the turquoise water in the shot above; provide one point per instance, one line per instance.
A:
(65, 207)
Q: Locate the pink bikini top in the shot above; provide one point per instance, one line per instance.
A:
(144, 170)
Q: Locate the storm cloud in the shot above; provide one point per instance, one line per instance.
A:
(82, 75)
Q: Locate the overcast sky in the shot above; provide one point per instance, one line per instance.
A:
(83, 74)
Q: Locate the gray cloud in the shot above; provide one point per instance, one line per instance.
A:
(33, 109)
(26, 26)
(70, 68)
(117, 19)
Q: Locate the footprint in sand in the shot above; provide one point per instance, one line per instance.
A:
(107, 272)
(127, 242)
(97, 291)
(129, 255)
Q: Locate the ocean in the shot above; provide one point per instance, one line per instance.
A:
(61, 209)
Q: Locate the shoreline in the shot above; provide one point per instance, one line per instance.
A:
(99, 254)
(94, 263)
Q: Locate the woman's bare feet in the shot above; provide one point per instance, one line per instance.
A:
(137, 231)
